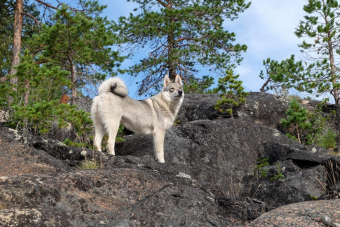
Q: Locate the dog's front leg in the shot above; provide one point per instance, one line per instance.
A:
(158, 137)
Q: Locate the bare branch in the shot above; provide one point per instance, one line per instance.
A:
(36, 51)
(31, 16)
(265, 84)
(48, 5)
(163, 3)
(3, 79)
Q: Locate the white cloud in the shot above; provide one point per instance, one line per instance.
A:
(118, 8)
(267, 28)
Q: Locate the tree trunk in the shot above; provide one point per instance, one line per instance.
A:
(74, 84)
(171, 62)
(16, 41)
(171, 46)
(298, 133)
(27, 92)
(335, 91)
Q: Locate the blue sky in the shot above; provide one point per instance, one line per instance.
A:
(267, 28)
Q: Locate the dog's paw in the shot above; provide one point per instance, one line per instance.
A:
(160, 160)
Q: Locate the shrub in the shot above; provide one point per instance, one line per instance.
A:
(231, 92)
(260, 170)
(309, 127)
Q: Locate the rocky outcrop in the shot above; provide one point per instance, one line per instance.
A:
(217, 154)
(261, 108)
(17, 158)
(209, 178)
(115, 197)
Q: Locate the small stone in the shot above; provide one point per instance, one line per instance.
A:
(4, 178)
(276, 134)
(183, 175)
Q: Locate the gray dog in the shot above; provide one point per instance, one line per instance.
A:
(150, 116)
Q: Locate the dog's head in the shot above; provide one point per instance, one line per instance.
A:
(173, 91)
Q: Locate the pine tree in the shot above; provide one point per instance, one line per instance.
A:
(319, 72)
(80, 43)
(71, 50)
(181, 35)
(297, 120)
(231, 92)
(309, 127)
(7, 11)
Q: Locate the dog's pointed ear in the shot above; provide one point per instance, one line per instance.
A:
(166, 81)
(178, 80)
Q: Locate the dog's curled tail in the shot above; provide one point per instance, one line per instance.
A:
(114, 85)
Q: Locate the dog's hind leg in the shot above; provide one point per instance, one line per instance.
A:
(158, 138)
(99, 132)
(112, 129)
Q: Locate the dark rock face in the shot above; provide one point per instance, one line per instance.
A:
(218, 154)
(265, 109)
(209, 178)
(302, 185)
(261, 108)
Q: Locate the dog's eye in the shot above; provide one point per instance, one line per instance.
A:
(172, 89)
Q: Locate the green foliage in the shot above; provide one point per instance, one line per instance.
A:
(309, 127)
(69, 115)
(199, 86)
(70, 51)
(313, 197)
(181, 35)
(42, 110)
(328, 140)
(303, 77)
(260, 170)
(42, 116)
(79, 42)
(279, 175)
(120, 134)
(297, 119)
(232, 92)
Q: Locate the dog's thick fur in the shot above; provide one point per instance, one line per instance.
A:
(150, 116)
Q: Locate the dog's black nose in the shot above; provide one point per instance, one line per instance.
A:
(180, 92)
